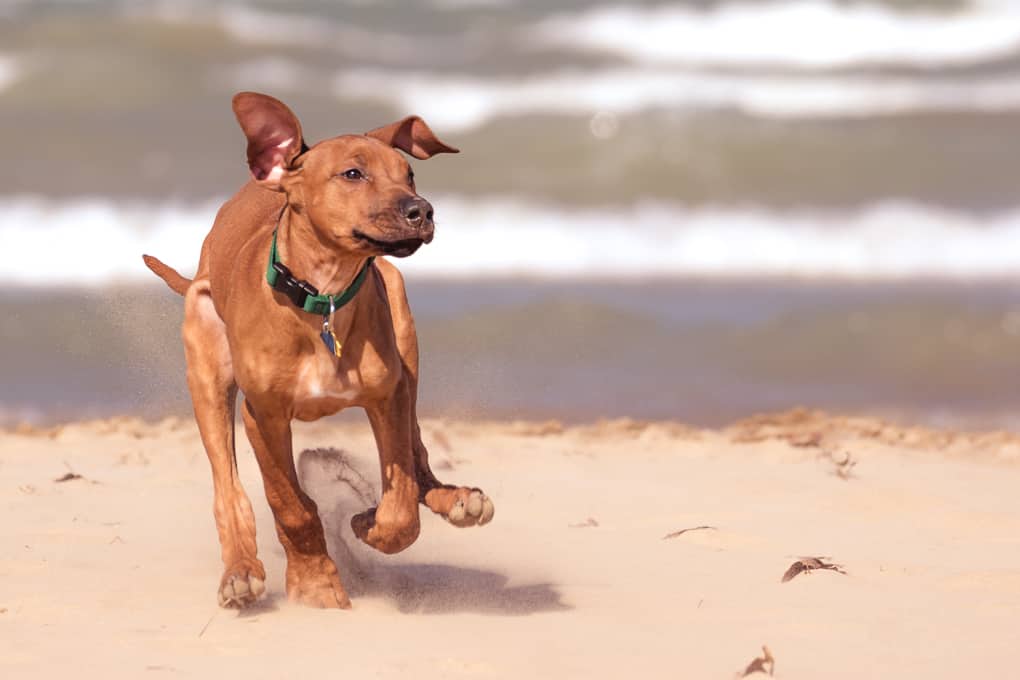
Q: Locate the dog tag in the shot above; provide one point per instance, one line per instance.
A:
(327, 335)
(330, 340)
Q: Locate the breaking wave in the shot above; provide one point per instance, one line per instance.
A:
(791, 33)
(464, 102)
(99, 241)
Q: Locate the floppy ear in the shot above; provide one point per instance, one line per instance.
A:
(274, 136)
(411, 135)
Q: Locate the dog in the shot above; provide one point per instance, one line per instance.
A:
(292, 305)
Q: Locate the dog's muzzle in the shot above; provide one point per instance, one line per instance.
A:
(397, 248)
(414, 224)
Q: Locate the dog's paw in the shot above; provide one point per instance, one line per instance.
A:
(242, 585)
(460, 506)
(316, 584)
(386, 532)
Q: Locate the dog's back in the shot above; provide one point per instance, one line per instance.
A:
(244, 216)
(248, 214)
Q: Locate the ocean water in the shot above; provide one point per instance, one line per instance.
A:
(704, 351)
(692, 209)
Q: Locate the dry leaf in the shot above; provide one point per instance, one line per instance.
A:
(810, 564)
(684, 531)
(763, 664)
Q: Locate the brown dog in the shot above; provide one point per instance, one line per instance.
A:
(324, 212)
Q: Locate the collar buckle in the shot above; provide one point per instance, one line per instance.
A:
(297, 290)
(304, 295)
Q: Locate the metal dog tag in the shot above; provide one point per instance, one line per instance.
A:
(327, 335)
(329, 339)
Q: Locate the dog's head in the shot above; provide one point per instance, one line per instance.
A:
(356, 190)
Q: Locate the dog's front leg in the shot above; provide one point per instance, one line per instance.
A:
(393, 525)
(312, 577)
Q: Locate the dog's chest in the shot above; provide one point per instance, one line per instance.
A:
(323, 387)
(324, 384)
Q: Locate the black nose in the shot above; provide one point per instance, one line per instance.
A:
(417, 211)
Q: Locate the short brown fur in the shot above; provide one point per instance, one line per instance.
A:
(241, 334)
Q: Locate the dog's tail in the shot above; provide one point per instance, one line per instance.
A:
(170, 276)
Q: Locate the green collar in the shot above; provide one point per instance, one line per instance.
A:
(304, 295)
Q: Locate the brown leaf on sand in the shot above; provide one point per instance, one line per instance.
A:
(684, 531)
(804, 564)
(71, 475)
(761, 664)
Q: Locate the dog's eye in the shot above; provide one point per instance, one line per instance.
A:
(352, 174)
(410, 177)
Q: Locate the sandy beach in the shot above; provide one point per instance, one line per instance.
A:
(670, 215)
(115, 572)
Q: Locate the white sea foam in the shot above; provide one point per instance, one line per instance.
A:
(791, 33)
(479, 238)
(463, 102)
(94, 242)
(781, 33)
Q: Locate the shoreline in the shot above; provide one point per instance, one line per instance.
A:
(799, 427)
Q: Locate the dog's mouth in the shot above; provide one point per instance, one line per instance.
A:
(399, 248)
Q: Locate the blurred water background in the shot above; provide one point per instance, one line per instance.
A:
(690, 210)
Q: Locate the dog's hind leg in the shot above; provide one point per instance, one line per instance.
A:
(213, 395)
(462, 506)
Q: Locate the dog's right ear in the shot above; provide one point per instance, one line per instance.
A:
(274, 136)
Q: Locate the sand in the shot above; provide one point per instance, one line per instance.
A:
(114, 574)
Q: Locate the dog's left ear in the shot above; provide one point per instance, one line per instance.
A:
(411, 135)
